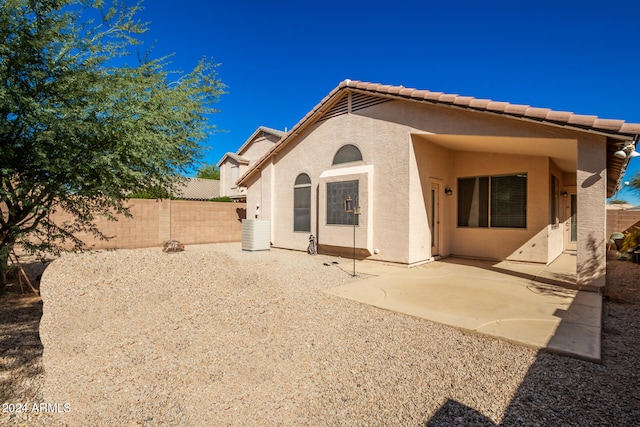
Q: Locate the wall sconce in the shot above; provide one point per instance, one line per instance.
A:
(564, 194)
(630, 149)
(448, 191)
(348, 207)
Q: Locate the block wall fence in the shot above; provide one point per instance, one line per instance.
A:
(194, 222)
(156, 221)
(620, 220)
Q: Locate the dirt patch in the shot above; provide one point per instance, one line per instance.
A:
(21, 372)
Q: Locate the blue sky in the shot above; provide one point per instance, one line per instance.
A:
(279, 60)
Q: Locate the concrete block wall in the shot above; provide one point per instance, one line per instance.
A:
(156, 221)
(619, 220)
(206, 222)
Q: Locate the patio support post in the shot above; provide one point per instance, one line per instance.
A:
(591, 194)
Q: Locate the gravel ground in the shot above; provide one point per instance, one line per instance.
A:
(217, 336)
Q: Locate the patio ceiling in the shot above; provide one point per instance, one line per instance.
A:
(562, 151)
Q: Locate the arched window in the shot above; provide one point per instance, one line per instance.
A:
(302, 203)
(347, 153)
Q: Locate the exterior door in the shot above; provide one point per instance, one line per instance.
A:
(571, 225)
(434, 218)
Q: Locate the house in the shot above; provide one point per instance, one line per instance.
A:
(234, 165)
(436, 174)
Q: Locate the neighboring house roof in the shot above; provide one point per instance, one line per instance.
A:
(198, 189)
(257, 133)
(615, 130)
(237, 155)
(238, 159)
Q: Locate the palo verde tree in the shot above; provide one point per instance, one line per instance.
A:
(80, 128)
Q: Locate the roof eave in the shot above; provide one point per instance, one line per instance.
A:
(564, 120)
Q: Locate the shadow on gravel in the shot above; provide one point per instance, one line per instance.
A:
(456, 413)
(559, 390)
(578, 390)
(20, 346)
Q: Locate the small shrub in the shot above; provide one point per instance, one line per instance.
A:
(151, 193)
(221, 199)
(631, 240)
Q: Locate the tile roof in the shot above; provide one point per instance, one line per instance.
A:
(198, 189)
(524, 111)
(566, 119)
(239, 159)
(272, 131)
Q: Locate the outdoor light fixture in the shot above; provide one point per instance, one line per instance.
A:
(627, 150)
(348, 207)
(564, 194)
(348, 204)
(448, 191)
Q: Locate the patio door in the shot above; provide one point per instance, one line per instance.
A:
(571, 225)
(434, 218)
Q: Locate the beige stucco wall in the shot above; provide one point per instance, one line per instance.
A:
(384, 146)
(231, 170)
(342, 235)
(592, 193)
(254, 199)
(399, 144)
(258, 147)
(429, 163)
(528, 244)
(225, 177)
(539, 242)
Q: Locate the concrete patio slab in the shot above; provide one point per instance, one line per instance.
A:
(509, 301)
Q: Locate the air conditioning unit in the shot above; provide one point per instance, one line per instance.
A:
(256, 235)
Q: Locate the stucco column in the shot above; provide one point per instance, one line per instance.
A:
(591, 194)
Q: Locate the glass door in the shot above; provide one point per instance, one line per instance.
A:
(434, 218)
(571, 237)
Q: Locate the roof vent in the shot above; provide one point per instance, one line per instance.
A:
(339, 108)
(360, 101)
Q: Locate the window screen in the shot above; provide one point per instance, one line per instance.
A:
(302, 203)
(509, 201)
(500, 201)
(473, 202)
(337, 192)
(554, 192)
(347, 153)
